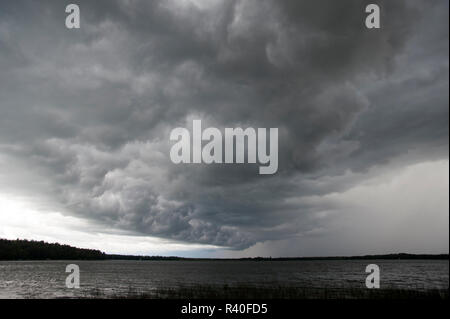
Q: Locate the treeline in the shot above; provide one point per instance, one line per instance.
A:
(39, 250)
(132, 257)
(400, 256)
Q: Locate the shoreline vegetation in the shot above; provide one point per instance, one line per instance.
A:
(40, 250)
(245, 292)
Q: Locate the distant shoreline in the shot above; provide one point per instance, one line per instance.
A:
(26, 250)
(400, 256)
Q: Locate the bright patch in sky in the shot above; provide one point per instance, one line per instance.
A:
(18, 219)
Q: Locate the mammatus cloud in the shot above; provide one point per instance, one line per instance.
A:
(86, 115)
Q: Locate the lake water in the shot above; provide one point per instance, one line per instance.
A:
(46, 279)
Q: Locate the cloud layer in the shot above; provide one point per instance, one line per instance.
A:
(86, 114)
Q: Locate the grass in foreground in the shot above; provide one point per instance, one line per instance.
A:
(278, 292)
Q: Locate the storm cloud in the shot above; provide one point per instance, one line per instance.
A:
(85, 115)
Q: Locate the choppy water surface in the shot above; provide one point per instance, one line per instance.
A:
(46, 279)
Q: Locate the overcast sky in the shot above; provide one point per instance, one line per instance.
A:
(86, 115)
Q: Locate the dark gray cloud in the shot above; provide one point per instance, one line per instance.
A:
(90, 110)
